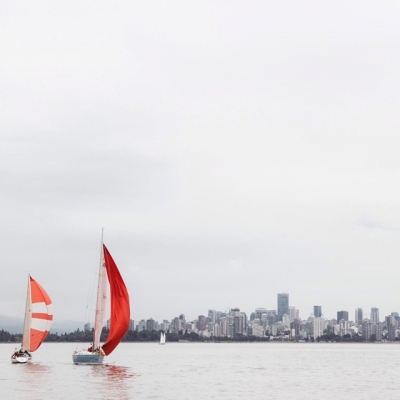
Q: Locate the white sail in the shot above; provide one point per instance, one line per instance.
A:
(101, 300)
(26, 337)
(162, 338)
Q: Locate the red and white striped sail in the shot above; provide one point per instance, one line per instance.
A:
(38, 316)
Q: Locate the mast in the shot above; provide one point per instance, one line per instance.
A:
(101, 297)
(27, 319)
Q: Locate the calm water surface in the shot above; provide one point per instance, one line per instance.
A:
(208, 371)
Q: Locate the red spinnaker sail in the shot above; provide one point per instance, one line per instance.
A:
(120, 311)
(41, 315)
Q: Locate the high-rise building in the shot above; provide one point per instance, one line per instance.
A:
(317, 311)
(293, 313)
(367, 329)
(286, 320)
(342, 315)
(358, 316)
(141, 326)
(202, 323)
(86, 328)
(260, 311)
(150, 325)
(271, 317)
(374, 315)
(318, 327)
(212, 314)
(283, 305)
(131, 325)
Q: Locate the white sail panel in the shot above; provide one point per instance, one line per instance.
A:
(39, 324)
(101, 301)
(40, 308)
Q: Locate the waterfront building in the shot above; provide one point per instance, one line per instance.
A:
(317, 311)
(164, 325)
(239, 324)
(390, 323)
(293, 313)
(258, 330)
(202, 323)
(377, 330)
(367, 329)
(212, 315)
(396, 318)
(176, 325)
(358, 316)
(150, 325)
(318, 327)
(271, 317)
(219, 315)
(141, 326)
(224, 326)
(131, 325)
(286, 320)
(190, 326)
(309, 328)
(295, 326)
(259, 312)
(342, 315)
(374, 315)
(283, 305)
(214, 328)
(344, 328)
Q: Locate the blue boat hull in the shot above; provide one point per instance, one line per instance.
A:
(88, 358)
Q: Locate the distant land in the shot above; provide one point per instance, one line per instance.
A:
(15, 325)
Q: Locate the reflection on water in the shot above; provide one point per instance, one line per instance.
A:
(203, 371)
(116, 381)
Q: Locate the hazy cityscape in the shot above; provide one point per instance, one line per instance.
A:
(282, 323)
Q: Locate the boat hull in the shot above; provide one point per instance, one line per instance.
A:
(20, 359)
(88, 358)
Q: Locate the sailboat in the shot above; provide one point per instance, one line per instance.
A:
(162, 338)
(37, 322)
(120, 312)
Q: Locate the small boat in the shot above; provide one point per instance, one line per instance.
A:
(120, 312)
(37, 322)
(162, 338)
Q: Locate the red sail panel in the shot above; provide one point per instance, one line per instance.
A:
(41, 315)
(120, 310)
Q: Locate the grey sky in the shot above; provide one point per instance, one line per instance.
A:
(232, 150)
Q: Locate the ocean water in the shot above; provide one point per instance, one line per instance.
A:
(208, 371)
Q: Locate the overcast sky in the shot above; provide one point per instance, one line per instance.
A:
(232, 150)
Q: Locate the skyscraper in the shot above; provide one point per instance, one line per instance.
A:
(317, 311)
(212, 315)
(202, 323)
(283, 305)
(342, 315)
(359, 316)
(374, 315)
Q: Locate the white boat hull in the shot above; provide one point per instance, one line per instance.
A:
(20, 359)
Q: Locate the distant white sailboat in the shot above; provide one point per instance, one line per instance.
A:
(120, 312)
(37, 321)
(162, 338)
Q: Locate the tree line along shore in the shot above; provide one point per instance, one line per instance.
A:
(154, 336)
